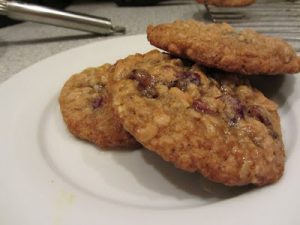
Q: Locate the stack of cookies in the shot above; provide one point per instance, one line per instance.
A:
(192, 105)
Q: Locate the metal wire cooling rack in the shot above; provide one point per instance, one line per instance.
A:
(279, 18)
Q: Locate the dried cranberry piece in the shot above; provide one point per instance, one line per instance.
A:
(191, 76)
(183, 74)
(256, 112)
(143, 77)
(239, 110)
(149, 92)
(200, 106)
(181, 84)
(235, 109)
(195, 79)
(146, 83)
(184, 78)
(96, 103)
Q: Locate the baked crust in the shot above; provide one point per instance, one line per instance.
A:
(220, 46)
(206, 122)
(87, 111)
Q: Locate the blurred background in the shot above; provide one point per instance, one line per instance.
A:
(61, 4)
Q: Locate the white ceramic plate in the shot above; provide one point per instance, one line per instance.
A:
(49, 177)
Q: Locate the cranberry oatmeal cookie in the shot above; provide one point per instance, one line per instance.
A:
(216, 125)
(228, 3)
(87, 111)
(220, 46)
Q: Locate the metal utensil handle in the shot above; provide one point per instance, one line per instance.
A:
(40, 14)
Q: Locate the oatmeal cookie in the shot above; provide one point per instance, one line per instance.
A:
(86, 109)
(200, 121)
(220, 46)
(228, 3)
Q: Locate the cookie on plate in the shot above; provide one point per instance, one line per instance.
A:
(201, 122)
(228, 3)
(87, 111)
(220, 46)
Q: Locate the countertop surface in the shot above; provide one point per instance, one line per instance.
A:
(26, 43)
